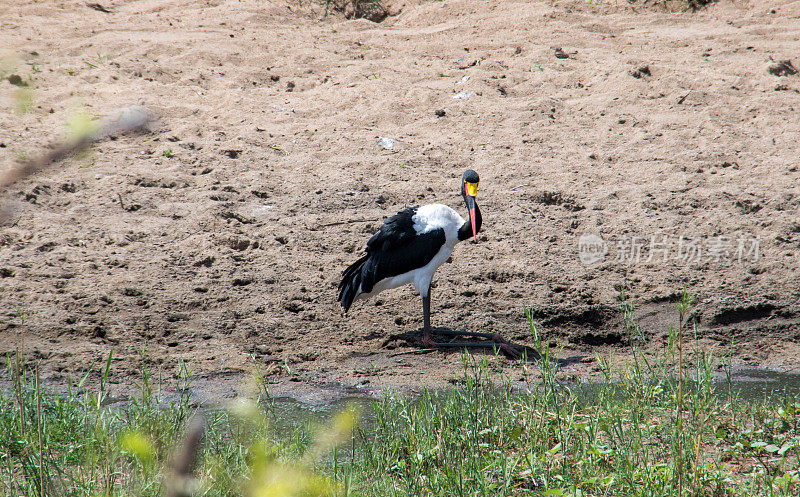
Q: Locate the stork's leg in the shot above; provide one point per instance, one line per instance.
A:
(497, 341)
(494, 337)
(507, 347)
(426, 317)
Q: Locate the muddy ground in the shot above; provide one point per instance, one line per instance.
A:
(218, 238)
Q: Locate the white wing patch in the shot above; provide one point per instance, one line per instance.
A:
(434, 216)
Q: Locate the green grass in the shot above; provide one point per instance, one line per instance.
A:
(620, 438)
(646, 431)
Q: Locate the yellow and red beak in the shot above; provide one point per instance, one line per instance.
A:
(471, 191)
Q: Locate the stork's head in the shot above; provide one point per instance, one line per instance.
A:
(469, 190)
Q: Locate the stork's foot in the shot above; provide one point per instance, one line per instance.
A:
(496, 341)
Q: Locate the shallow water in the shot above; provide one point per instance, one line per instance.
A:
(288, 414)
(759, 384)
(749, 384)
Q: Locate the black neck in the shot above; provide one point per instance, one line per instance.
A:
(465, 232)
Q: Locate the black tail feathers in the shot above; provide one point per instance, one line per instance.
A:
(351, 282)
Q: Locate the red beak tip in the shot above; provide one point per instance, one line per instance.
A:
(472, 218)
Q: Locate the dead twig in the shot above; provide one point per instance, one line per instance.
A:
(128, 119)
(182, 482)
(98, 7)
(414, 352)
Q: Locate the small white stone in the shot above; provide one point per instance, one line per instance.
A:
(387, 143)
(464, 95)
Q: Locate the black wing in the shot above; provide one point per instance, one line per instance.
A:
(395, 249)
(395, 232)
(412, 255)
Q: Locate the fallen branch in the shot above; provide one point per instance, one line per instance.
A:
(128, 119)
(414, 352)
(181, 481)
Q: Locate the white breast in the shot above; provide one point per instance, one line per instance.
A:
(434, 216)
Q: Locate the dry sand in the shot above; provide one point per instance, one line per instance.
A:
(226, 252)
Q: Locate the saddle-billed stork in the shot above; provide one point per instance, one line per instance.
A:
(408, 248)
